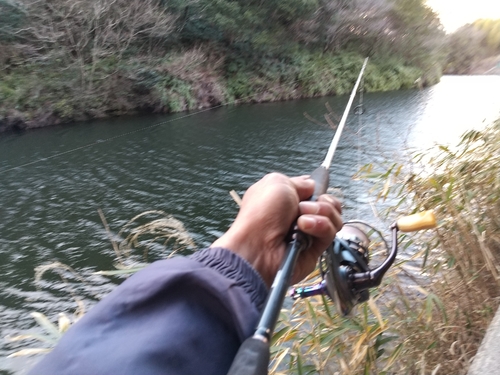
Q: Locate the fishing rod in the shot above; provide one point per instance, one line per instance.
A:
(253, 355)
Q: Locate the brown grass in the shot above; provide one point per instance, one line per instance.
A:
(432, 322)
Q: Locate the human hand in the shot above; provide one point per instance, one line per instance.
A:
(267, 212)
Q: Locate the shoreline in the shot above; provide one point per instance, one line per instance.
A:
(17, 122)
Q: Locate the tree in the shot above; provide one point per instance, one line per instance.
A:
(465, 48)
(491, 30)
(81, 34)
(230, 22)
(363, 24)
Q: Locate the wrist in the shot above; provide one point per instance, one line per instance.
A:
(250, 248)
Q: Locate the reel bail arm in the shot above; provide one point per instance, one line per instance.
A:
(373, 278)
(411, 223)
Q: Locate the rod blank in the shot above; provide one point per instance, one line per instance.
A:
(338, 133)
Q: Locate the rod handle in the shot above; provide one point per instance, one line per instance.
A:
(321, 178)
(252, 358)
(419, 221)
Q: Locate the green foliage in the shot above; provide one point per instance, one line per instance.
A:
(420, 37)
(15, 89)
(28, 89)
(491, 30)
(172, 93)
(135, 55)
(63, 109)
(289, 11)
(225, 21)
(322, 74)
(239, 86)
(175, 94)
(8, 93)
(12, 17)
(390, 75)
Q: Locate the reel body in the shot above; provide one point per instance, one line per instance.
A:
(348, 254)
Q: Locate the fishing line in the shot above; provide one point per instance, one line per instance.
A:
(359, 110)
(100, 141)
(112, 138)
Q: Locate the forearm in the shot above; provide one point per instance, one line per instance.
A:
(179, 316)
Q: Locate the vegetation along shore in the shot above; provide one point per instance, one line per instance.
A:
(65, 61)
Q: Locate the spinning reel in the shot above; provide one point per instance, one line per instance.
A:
(344, 266)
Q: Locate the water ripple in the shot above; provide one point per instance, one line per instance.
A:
(48, 210)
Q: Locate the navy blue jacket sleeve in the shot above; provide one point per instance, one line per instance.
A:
(185, 315)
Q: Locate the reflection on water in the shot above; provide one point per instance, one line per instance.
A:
(186, 167)
(455, 106)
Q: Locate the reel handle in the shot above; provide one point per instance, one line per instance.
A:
(411, 223)
(418, 221)
(348, 277)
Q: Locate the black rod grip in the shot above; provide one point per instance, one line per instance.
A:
(252, 358)
(321, 177)
(277, 293)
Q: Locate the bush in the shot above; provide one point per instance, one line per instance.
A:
(462, 186)
(386, 75)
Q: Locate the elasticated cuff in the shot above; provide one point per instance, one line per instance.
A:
(235, 268)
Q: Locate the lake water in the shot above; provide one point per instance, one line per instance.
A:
(53, 180)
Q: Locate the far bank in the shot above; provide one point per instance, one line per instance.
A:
(38, 96)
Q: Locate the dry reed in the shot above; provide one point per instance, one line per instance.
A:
(434, 323)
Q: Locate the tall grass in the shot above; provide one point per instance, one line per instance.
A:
(433, 321)
(462, 185)
(151, 234)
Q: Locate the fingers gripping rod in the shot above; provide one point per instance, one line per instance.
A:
(253, 355)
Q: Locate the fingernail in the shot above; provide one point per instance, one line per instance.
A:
(307, 222)
(309, 207)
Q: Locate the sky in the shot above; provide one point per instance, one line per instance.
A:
(456, 13)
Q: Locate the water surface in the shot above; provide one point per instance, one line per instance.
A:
(186, 166)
